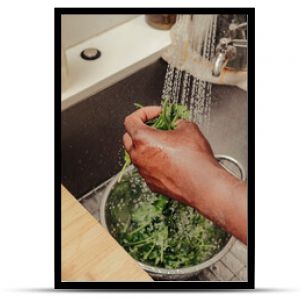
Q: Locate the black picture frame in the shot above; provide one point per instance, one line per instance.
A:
(157, 285)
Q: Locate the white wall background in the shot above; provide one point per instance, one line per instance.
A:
(78, 28)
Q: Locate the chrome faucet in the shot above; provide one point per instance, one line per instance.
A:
(232, 50)
(225, 52)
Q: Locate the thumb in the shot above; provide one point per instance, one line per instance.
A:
(138, 118)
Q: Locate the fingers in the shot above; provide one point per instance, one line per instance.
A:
(137, 119)
(127, 141)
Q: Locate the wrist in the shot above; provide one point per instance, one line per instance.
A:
(210, 189)
(200, 180)
(220, 197)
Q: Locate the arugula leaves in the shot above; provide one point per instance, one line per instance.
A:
(159, 231)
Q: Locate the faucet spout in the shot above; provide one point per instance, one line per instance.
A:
(218, 64)
(225, 52)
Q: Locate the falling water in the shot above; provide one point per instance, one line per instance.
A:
(193, 40)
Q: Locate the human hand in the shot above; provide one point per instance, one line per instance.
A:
(180, 164)
(169, 161)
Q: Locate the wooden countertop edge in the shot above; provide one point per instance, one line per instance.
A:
(89, 253)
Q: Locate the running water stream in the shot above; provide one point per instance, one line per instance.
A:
(193, 39)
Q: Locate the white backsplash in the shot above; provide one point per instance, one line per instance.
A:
(78, 28)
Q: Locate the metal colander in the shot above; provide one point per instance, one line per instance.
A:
(232, 166)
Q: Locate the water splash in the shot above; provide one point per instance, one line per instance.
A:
(193, 39)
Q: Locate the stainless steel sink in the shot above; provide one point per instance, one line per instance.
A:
(229, 121)
(92, 129)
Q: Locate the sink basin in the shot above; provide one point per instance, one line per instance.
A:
(91, 132)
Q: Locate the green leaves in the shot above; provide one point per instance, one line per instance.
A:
(127, 163)
(170, 114)
(161, 203)
(159, 231)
